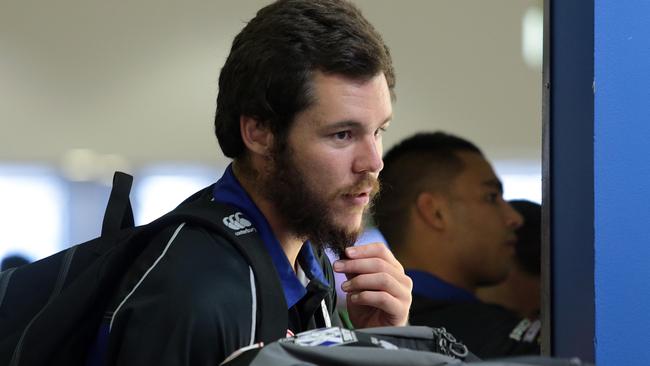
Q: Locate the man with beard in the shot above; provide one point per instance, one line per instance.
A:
(304, 98)
(442, 212)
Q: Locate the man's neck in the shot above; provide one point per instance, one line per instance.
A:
(442, 269)
(290, 243)
(415, 253)
(520, 292)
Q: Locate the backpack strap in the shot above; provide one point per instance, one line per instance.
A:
(331, 298)
(215, 217)
(118, 214)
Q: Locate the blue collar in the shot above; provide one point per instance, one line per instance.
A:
(228, 190)
(427, 285)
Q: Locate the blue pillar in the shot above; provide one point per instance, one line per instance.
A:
(622, 182)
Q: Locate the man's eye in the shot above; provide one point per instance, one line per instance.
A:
(343, 135)
(380, 131)
(492, 197)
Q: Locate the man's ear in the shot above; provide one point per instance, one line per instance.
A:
(256, 134)
(432, 209)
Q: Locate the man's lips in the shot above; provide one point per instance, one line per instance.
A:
(358, 199)
(511, 242)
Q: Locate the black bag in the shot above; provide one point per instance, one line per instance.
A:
(50, 310)
(383, 346)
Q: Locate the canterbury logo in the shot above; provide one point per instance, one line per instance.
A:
(236, 221)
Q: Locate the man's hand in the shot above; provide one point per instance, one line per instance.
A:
(378, 291)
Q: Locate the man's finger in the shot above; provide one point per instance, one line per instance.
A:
(388, 304)
(377, 282)
(352, 267)
(378, 250)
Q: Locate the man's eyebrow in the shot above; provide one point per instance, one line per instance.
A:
(494, 183)
(355, 124)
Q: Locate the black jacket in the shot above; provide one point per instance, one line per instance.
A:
(487, 330)
(194, 301)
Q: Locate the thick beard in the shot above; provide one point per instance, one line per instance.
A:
(305, 211)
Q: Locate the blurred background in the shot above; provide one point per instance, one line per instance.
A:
(90, 87)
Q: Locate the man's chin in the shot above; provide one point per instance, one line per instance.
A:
(351, 222)
(336, 238)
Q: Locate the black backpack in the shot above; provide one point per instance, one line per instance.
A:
(50, 310)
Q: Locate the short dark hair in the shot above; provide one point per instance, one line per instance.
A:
(423, 162)
(269, 70)
(13, 261)
(529, 237)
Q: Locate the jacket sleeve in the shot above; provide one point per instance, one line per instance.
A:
(190, 305)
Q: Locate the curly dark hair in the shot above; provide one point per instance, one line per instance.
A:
(269, 71)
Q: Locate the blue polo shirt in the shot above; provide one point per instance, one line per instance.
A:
(431, 287)
(228, 190)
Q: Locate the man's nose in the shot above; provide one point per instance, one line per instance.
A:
(369, 157)
(514, 219)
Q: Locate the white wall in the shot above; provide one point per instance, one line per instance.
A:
(135, 84)
(139, 78)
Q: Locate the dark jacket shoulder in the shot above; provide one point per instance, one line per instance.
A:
(488, 330)
(188, 301)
